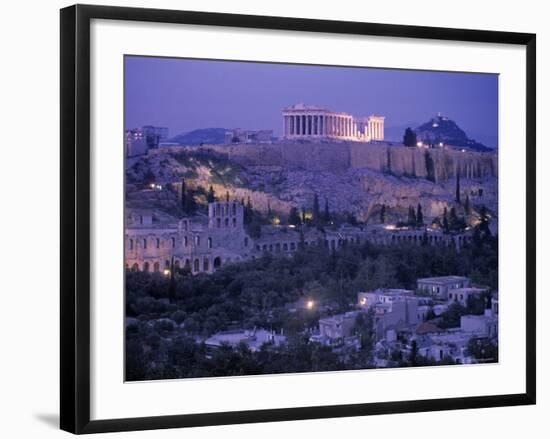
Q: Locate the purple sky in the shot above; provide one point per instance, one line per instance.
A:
(184, 95)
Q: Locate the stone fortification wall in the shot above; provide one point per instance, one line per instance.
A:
(435, 164)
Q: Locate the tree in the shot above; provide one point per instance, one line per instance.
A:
(445, 221)
(383, 214)
(419, 216)
(294, 217)
(211, 196)
(316, 209)
(430, 167)
(183, 194)
(451, 317)
(457, 190)
(227, 196)
(326, 215)
(467, 206)
(411, 221)
(414, 353)
(172, 287)
(248, 212)
(409, 138)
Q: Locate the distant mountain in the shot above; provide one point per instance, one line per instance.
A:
(203, 135)
(443, 129)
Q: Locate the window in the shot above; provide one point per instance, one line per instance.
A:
(197, 241)
(234, 209)
(185, 241)
(234, 222)
(218, 222)
(209, 242)
(196, 265)
(131, 244)
(145, 243)
(167, 263)
(173, 242)
(206, 264)
(246, 242)
(158, 243)
(227, 222)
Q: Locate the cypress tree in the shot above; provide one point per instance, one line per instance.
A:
(326, 217)
(211, 196)
(409, 138)
(467, 206)
(457, 194)
(183, 194)
(294, 217)
(172, 287)
(445, 221)
(412, 217)
(419, 216)
(383, 214)
(316, 209)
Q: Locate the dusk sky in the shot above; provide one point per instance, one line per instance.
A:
(184, 95)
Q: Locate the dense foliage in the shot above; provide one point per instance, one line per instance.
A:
(162, 340)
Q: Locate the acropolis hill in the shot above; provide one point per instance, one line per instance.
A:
(338, 156)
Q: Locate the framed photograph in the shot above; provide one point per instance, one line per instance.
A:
(268, 218)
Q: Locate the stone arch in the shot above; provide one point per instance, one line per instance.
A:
(146, 267)
(135, 267)
(206, 264)
(166, 263)
(187, 264)
(177, 264)
(156, 267)
(217, 262)
(196, 266)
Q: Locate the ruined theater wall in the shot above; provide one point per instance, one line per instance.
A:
(435, 164)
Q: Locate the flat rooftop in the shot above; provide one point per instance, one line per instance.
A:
(442, 279)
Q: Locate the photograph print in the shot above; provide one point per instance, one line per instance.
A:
(290, 218)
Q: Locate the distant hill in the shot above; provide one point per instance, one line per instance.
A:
(443, 129)
(203, 135)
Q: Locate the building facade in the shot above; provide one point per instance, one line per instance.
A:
(238, 135)
(139, 141)
(302, 121)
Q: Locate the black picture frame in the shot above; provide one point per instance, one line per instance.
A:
(75, 217)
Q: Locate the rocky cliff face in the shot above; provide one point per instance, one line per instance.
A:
(274, 176)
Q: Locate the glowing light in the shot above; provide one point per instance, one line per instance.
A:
(166, 272)
(440, 143)
(363, 301)
(419, 144)
(310, 304)
(308, 216)
(276, 221)
(390, 227)
(463, 150)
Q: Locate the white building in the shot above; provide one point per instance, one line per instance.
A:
(485, 325)
(438, 287)
(338, 326)
(302, 121)
(461, 295)
(254, 339)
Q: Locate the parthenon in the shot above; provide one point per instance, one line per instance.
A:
(302, 121)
